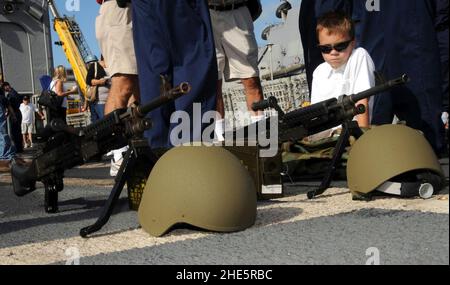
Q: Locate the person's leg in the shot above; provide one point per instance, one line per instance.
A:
(30, 138)
(16, 132)
(152, 43)
(197, 33)
(64, 114)
(307, 27)
(253, 91)
(114, 31)
(7, 150)
(241, 49)
(123, 87)
(422, 111)
(99, 110)
(444, 47)
(382, 111)
(94, 115)
(25, 140)
(136, 98)
(24, 128)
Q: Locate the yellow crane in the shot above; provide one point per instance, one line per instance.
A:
(73, 44)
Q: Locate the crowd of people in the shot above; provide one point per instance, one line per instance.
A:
(18, 117)
(205, 42)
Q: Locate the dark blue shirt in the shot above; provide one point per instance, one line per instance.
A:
(15, 99)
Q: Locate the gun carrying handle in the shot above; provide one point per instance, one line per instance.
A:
(271, 102)
(260, 106)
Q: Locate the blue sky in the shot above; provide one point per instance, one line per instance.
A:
(88, 10)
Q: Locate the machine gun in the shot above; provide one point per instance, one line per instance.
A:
(322, 116)
(68, 147)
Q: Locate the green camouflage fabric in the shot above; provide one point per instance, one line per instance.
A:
(311, 159)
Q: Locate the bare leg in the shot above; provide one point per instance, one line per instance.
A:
(30, 139)
(253, 91)
(25, 140)
(124, 91)
(123, 88)
(136, 98)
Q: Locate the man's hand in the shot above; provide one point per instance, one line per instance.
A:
(445, 119)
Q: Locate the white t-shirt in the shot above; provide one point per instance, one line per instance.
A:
(355, 76)
(27, 113)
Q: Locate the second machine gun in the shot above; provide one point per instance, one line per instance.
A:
(319, 117)
(68, 147)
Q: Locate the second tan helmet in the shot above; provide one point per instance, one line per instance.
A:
(392, 153)
(206, 187)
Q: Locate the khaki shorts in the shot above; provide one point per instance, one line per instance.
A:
(236, 47)
(27, 128)
(114, 32)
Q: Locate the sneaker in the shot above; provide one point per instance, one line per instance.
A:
(116, 160)
(115, 166)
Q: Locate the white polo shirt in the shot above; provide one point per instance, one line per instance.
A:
(355, 76)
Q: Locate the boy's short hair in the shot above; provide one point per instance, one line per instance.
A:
(26, 97)
(337, 22)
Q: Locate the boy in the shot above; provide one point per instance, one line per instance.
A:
(346, 70)
(27, 109)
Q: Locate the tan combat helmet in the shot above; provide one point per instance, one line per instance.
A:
(391, 155)
(206, 187)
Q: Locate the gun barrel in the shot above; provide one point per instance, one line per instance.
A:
(379, 89)
(170, 95)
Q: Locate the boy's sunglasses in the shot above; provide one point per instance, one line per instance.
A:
(326, 49)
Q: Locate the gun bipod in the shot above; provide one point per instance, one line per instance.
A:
(138, 150)
(349, 128)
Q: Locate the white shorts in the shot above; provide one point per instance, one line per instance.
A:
(27, 128)
(114, 32)
(236, 47)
